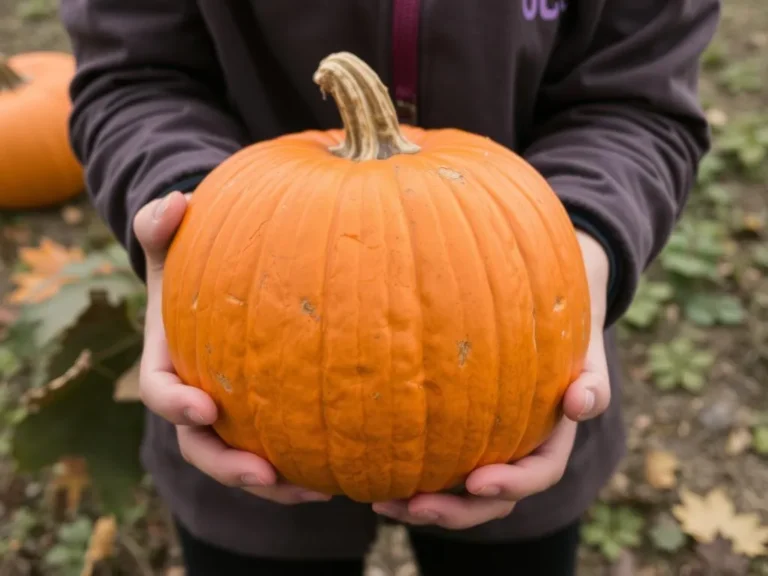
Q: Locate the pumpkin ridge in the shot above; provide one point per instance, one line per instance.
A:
(520, 267)
(529, 437)
(427, 174)
(389, 376)
(419, 288)
(202, 314)
(333, 232)
(492, 205)
(174, 330)
(255, 292)
(507, 211)
(461, 214)
(226, 341)
(296, 187)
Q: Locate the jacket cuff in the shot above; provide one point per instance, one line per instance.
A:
(623, 274)
(186, 184)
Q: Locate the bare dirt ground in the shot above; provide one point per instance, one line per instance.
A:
(695, 348)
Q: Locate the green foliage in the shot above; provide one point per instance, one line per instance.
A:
(648, 303)
(66, 556)
(679, 363)
(708, 309)
(49, 319)
(744, 144)
(666, 534)
(695, 248)
(612, 530)
(14, 533)
(36, 9)
(740, 77)
(760, 440)
(76, 413)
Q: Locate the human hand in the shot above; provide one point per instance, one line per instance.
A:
(493, 491)
(189, 408)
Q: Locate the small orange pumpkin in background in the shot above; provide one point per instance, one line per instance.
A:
(37, 165)
(377, 311)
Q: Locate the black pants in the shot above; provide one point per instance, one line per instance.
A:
(554, 555)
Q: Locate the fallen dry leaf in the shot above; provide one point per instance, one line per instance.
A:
(660, 468)
(127, 386)
(71, 477)
(706, 517)
(738, 441)
(101, 545)
(703, 517)
(44, 278)
(746, 533)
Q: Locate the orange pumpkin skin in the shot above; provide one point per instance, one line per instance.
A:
(378, 328)
(37, 165)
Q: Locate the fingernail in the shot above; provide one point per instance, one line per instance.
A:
(589, 403)
(194, 416)
(160, 208)
(430, 515)
(489, 491)
(314, 497)
(252, 480)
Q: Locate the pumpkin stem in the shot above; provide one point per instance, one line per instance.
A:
(9, 78)
(369, 117)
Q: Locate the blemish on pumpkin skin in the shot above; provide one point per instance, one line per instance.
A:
(450, 174)
(208, 349)
(194, 303)
(223, 381)
(559, 304)
(465, 346)
(309, 309)
(235, 300)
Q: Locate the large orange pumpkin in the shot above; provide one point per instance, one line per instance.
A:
(37, 165)
(377, 311)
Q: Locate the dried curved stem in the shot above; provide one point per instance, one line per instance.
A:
(372, 131)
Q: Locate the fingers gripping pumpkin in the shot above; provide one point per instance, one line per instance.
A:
(380, 310)
(37, 165)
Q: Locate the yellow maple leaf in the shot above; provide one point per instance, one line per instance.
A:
(706, 517)
(702, 517)
(44, 278)
(747, 535)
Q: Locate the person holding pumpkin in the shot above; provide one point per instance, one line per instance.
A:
(598, 96)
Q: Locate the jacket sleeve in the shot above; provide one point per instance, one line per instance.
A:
(618, 129)
(149, 109)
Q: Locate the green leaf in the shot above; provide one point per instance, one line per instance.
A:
(760, 255)
(54, 316)
(77, 532)
(648, 303)
(76, 415)
(760, 440)
(666, 534)
(692, 381)
(9, 362)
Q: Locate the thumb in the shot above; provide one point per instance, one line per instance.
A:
(155, 225)
(590, 395)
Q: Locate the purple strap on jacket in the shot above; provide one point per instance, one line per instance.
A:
(405, 57)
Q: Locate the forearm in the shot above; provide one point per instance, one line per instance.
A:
(147, 113)
(619, 137)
